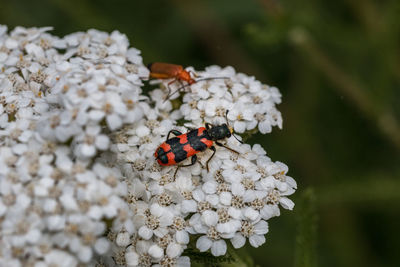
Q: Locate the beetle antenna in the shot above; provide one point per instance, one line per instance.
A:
(212, 78)
(230, 128)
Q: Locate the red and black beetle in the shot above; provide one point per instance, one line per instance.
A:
(183, 146)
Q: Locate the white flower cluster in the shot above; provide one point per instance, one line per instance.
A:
(60, 99)
(250, 102)
(79, 182)
(230, 201)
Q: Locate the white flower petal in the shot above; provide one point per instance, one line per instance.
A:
(239, 126)
(257, 240)
(210, 187)
(123, 239)
(198, 195)
(182, 237)
(102, 142)
(183, 261)
(101, 246)
(269, 211)
(189, 206)
(210, 218)
(212, 199)
(286, 203)
(251, 214)
(218, 248)
(156, 252)
(238, 241)
(261, 228)
(238, 189)
(88, 150)
(203, 243)
(85, 254)
(225, 198)
(174, 250)
(131, 258)
(113, 121)
(145, 232)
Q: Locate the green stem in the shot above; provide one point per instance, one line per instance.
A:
(307, 230)
(241, 258)
(379, 187)
(232, 258)
(346, 85)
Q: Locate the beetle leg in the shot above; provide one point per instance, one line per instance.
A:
(194, 159)
(190, 128)
(219, 144)
(208, 125)
(181, 83)
(213, 149)
(177, 90)
(169, 88)
(175, 132)
(177, 168)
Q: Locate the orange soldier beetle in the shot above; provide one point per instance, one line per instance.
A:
(159, 70)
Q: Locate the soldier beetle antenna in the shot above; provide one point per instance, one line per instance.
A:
(231, 128)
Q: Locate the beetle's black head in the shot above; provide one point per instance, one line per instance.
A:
(219, 132)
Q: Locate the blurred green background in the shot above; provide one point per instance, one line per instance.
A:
(337, 64)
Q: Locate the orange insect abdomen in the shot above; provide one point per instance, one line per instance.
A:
(161, 70)
(164, 70)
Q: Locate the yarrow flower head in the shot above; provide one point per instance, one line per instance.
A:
(79, 181)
